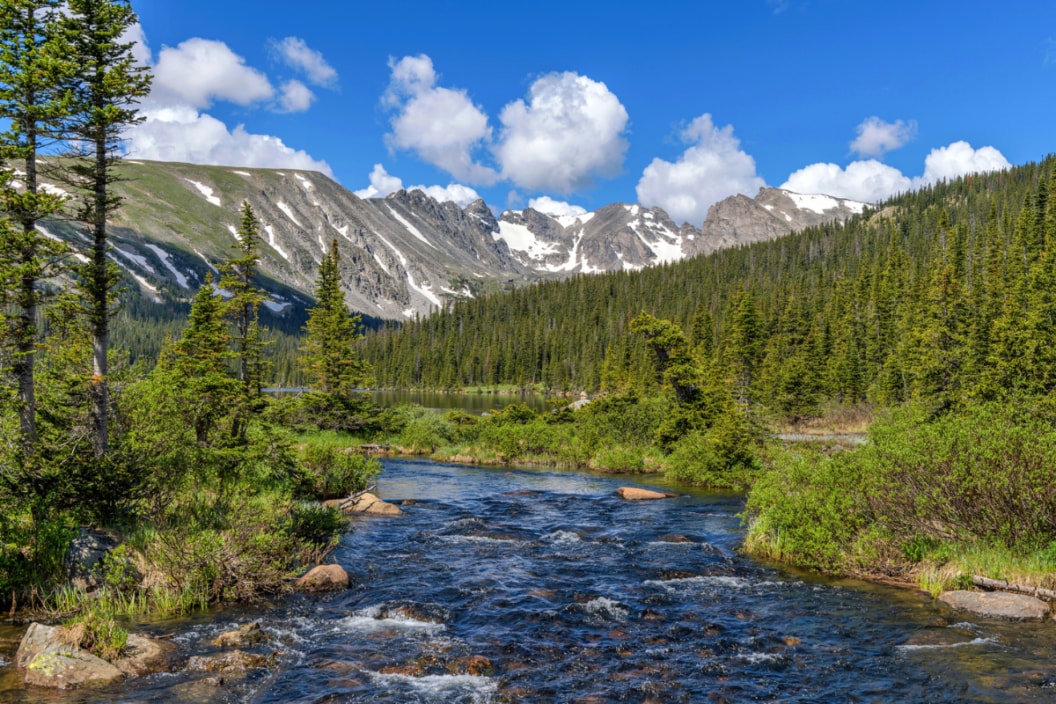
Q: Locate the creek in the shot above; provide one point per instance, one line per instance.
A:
(574, 595)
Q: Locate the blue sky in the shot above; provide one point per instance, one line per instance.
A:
(580, 104)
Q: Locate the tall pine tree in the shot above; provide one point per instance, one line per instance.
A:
(107, 87)
(330, 360)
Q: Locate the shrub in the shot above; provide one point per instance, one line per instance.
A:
(333, 473)
(719, 457)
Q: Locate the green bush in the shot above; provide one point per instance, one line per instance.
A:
(619, 458)
(333, 473)
(720, 457)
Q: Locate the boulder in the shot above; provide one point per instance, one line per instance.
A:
(1012, 607)
(323, 578)
(244, 636)
(631, 493)
(372, 505)
(50, 661)
(147, 656)
(233, 662)
(83, 559)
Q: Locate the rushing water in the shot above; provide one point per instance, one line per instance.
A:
(576, 596)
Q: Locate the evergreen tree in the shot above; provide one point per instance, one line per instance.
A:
(329, 357)
(34, 67)
(107, 88)
(238, 278)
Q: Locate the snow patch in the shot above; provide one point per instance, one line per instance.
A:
(519, 238)
(633, 210)
(288, 212)
(822, 204)
(54, 190)
(411, 228)
(276, 307)
(136, 259)
(308, 185)
(208, 263)
(242, 173)
(233, 230)
(425, 291)
(206, 192)
(275, 245)
(161, 254)
(567, 221)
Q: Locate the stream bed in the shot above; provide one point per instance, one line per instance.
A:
(539, 586)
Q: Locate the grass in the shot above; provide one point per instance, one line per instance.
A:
(951, 566)
(832, 419)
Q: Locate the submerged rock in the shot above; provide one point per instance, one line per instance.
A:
(323, 578)
(631, 493)
(1013, 607)
(233, 662)
(146, 656)
(244, 636)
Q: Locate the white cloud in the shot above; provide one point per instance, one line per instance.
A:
(200, 71)
(454, 192)
(140, 49)
(296, 53)
(184, 134)
(441, 125)
(382, 183)
(713, 168)
(865, 181)
(568, 133)
(960, 159)
(556, 208)
(876, 137)
(870, 181)
(296, 97)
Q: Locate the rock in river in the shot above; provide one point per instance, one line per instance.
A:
(1013, 607)
(371, 504)
(50, 660)
(631, 493)
(324, 578)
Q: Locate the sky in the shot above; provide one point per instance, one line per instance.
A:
(569, 106)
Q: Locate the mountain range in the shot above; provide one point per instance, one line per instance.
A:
(406, 254)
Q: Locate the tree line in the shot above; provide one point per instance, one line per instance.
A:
(941, 294)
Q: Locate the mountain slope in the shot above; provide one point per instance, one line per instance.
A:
(406, 254)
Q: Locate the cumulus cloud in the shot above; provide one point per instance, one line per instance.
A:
(712, 168)
(183, 133)
(568, 133)
(199, 71)
(865, 181)
(556, 208)
(189, 78)
(296, 97)
(870, 181)
(441, 125)
(296, 54)
(141, 52)
(960, 159)
(382, 183)
(877, 137)
(453, 192)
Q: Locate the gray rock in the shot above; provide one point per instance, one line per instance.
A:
(1012, 607)
(243, 636)
(49, 661)
(84, 557)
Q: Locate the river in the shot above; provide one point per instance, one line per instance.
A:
(574, 595)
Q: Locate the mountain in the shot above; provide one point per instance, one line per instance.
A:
(406, 254)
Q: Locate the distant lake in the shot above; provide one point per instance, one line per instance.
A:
(475, 404)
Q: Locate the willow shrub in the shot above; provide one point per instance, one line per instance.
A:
(983, 475)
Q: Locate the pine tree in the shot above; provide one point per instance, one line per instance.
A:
(196, 365)
(329, 356)
(238, 278)
(34, 67)
(107, 88)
